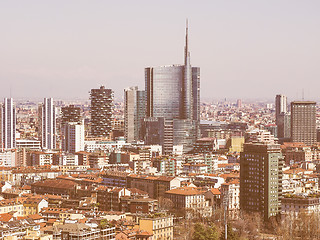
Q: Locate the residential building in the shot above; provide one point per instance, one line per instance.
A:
(28, 143)
(8, 124)
(297, 204)
(80, 231)
(73, 137)
(154, 186)
(8, 158)
(190, 198)
(230, 194)
(70, 113)
(61, 187)
(261, 178)
(160, 227)
(33, 205)
(47, 124)
(101, 112)
(12, 205)
(134, 113)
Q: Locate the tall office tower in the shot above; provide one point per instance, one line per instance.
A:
(73, 137)
(281, 110)
(284, 126)
(173, 93)
(261, 178)
(134, 112)
(8, 124)
(281, 105)
(303, 122)
(70, 113)
(47, 124)
(101, 112)
(239, 103)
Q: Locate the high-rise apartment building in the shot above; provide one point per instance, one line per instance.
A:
(261, 178)
(101, 112)
(70, 113)
(8, 124)
(282, 117)
(173, 93)
(303, 122)
(134, 113)
(73, 137)
(47, 124)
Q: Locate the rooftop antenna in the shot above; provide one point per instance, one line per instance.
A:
(302, 94)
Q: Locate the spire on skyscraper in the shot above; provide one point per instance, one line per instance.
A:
(186, 48)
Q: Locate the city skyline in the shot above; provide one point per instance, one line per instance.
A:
(277, 47)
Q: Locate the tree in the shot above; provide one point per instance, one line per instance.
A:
(165, 204)
(230, 233)
(202, 232)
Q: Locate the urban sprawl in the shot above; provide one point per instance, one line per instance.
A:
(159, 165)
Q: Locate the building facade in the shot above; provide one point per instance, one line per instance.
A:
(134, 113)
(101, 112)
(47, 124)
(70, 113)
(303, 122)
(261, 178)
(73, 137)
(8, 124)
(173, 93)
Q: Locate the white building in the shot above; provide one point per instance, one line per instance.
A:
(41, 158)
(7, 158)
(230, 194)
(28, 143)
(69, 160)
(47, 124)
(73, 137)
(8, 124)
(189, 198)
(92, 145)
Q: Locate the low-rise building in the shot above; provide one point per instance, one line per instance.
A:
(80, 231)
(190, 198)
(296, 204)
(160, 227)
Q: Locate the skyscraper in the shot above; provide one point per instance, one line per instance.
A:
(281, 105)
(101, 111)
(70, 113)
(261, 178)
(73, 137)
(134, 112)
(173, 93)
(282, 117)
(303, 122)
(47, 124)
(8, 124)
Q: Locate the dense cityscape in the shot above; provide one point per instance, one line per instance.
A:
(161, 164)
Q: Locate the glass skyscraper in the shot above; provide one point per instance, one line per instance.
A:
(173, 93)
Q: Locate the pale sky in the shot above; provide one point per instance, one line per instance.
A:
(245, 48)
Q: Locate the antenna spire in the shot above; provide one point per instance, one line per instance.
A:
(186, 49)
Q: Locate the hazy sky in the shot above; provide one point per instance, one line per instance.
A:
(245, 48)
